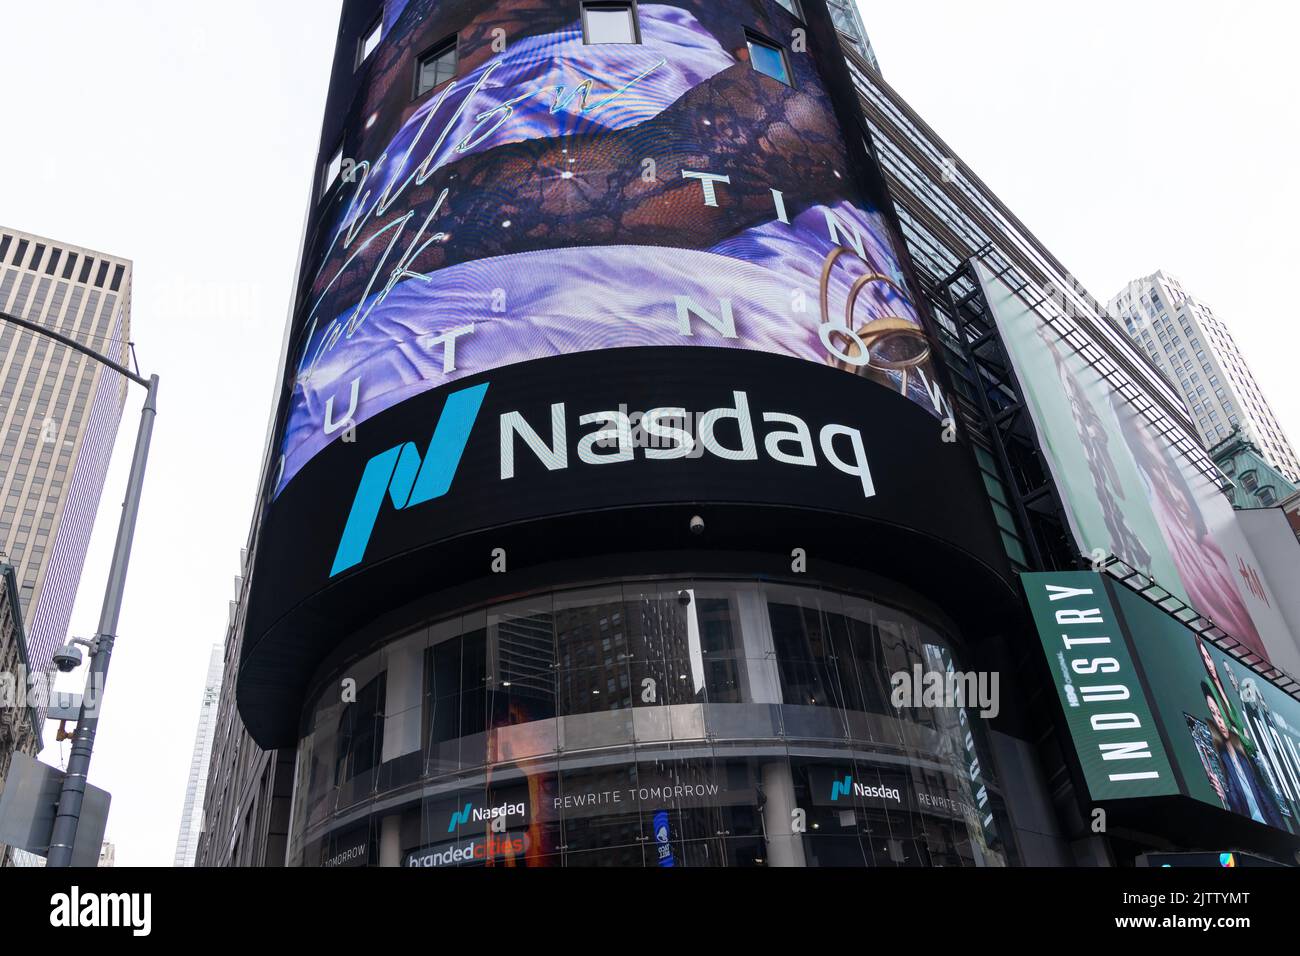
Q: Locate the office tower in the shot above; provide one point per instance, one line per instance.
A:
(628, 449)
(196, 785)
(1195, 350)
(19, 726)
(59, 412)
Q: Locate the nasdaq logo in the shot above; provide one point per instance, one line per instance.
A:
(459, 817)
(845, 787)
(841, 788)
(406, 478)
(479, 814)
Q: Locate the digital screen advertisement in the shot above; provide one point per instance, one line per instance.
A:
(552, 271)
(561, 195)
(1154, 709)
(757, 444)
(1128, 492)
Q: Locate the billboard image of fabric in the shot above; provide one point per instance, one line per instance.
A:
(552, 187)
(1128, 492)
(1132, 677)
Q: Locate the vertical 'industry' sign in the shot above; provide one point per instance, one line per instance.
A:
(1115, 733)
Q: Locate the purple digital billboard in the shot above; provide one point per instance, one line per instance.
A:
(520, 180)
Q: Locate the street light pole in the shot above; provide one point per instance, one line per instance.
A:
(83, 740)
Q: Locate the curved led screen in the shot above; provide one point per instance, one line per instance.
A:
(574, 266)
(549, 189)
(603, 453)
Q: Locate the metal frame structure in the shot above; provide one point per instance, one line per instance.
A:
(1147, 587)
(1006, 428)
(1035, 499)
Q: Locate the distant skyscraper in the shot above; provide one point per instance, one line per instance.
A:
(1197, 354)
(1258, 483)
(196, 787)
(59, 412)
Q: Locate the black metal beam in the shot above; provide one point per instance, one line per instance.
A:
(75, 345)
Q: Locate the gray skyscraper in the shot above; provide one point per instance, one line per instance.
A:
(59, 413)
(1197, 354)
(187, 843)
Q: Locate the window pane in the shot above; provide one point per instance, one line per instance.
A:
(435, 68)
(768, 60)
(610, 24)
(369, 42)
(332, 170)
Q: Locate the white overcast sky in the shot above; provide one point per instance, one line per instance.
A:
(1128, 136)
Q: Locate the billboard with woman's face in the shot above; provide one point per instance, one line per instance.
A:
(1155, 710)
(1128, 492)
(516, 180)
(1239, 739)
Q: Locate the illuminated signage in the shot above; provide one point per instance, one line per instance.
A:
(1114, 732)
(627, 430)
(846, 786)
(515, 213)
(480, 814)
(1155, 709)
(407, 479)
(480, 849)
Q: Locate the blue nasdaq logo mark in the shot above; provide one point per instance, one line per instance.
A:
(459, 816)
(841, 788)
(406, 478)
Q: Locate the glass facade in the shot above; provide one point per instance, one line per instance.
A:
(648, 723)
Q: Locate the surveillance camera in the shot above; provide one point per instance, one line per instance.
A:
(697, 525)
(68, 658)
(684, 598)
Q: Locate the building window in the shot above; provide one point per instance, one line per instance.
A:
(768, 58)
(609, 23)
(792, 6)
(369, 40)
(332, 170)
(360, 736)
(435, 67)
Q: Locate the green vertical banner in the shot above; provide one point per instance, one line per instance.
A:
(1114, 731)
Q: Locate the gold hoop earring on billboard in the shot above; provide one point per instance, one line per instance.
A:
(888, 334)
